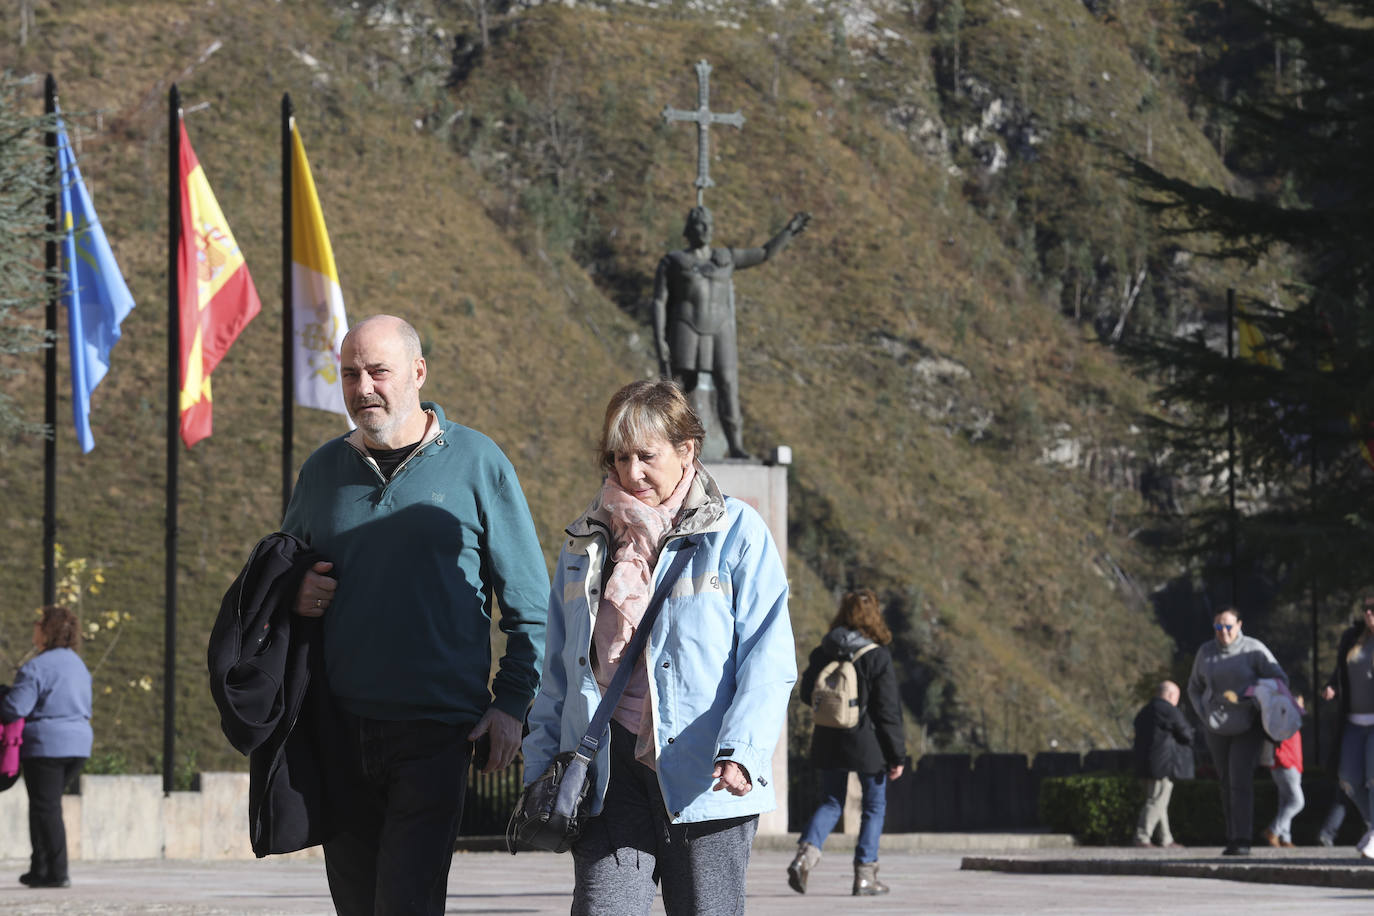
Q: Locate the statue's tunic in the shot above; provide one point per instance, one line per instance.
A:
(701, 319)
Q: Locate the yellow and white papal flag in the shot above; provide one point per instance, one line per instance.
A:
(318, 318)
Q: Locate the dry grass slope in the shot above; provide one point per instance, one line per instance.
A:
(899, 346)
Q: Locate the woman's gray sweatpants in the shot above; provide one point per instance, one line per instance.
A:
(630, 848)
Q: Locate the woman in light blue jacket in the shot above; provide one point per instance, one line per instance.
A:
(52, 694)
(679, 789)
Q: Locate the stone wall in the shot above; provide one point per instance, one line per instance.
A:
(129, 817)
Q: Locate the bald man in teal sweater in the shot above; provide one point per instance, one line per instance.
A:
(426, 533)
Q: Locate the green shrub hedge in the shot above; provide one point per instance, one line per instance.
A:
(1101, 809)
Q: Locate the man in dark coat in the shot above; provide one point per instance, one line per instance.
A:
(1163, 753)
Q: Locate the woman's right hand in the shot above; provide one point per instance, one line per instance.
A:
(1328, 692)
(733, 778)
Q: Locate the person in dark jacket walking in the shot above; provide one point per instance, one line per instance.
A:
(52, 694)
(1352, 684)
(875, 749)
(1163, 753)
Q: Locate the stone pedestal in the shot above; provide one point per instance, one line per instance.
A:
(764, 487)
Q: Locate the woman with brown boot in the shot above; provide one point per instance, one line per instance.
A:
(871, 743)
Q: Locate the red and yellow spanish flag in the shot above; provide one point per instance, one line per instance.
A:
(218, 298)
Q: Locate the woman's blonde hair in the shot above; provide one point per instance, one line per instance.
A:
(60, 628)
(859, 610)
(644, 410)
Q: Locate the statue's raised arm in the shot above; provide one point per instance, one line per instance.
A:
(750, 257)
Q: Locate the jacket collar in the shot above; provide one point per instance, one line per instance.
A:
(434, 424)
(702, 511)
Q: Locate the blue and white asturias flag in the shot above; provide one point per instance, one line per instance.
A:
(94, 291)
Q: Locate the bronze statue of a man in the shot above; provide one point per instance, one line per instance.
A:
(694, 313)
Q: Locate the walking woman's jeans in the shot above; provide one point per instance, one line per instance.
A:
(833, 786)
(1357, 767)
(1289, 783)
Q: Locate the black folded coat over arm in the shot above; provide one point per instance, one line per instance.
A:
(267, 678)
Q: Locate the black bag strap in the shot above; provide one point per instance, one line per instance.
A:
(602, 718)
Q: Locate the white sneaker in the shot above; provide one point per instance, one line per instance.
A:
(1366, 845)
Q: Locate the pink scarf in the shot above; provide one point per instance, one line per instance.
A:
(636, 532)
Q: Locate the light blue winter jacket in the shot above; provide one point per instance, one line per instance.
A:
(52, 693)
(720, 655)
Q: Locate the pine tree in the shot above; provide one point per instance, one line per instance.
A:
(1303, 197)
(25, 182)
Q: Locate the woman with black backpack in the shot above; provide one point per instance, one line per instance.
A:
(852, 689)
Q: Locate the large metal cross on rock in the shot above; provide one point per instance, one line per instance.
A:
(704, 118)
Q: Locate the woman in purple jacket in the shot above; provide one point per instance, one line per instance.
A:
(52, 694)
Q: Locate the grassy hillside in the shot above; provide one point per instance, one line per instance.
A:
(917, 347)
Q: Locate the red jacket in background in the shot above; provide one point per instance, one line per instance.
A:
(1289, 753)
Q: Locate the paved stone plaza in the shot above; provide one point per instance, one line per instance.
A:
(922, 882)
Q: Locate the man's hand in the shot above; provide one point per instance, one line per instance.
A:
(316, 591)
(504, 731)
(798, 222)
(1328, 693)
(732, 778)
(895, 772)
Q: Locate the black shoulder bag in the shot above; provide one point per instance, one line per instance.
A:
(551, 810)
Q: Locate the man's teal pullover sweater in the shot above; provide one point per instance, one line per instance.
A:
(420, 561)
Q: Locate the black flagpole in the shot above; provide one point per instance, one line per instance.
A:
(50, 359)
(1316, 608)
(288, 318)
(174, 192)
(1231, 446)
